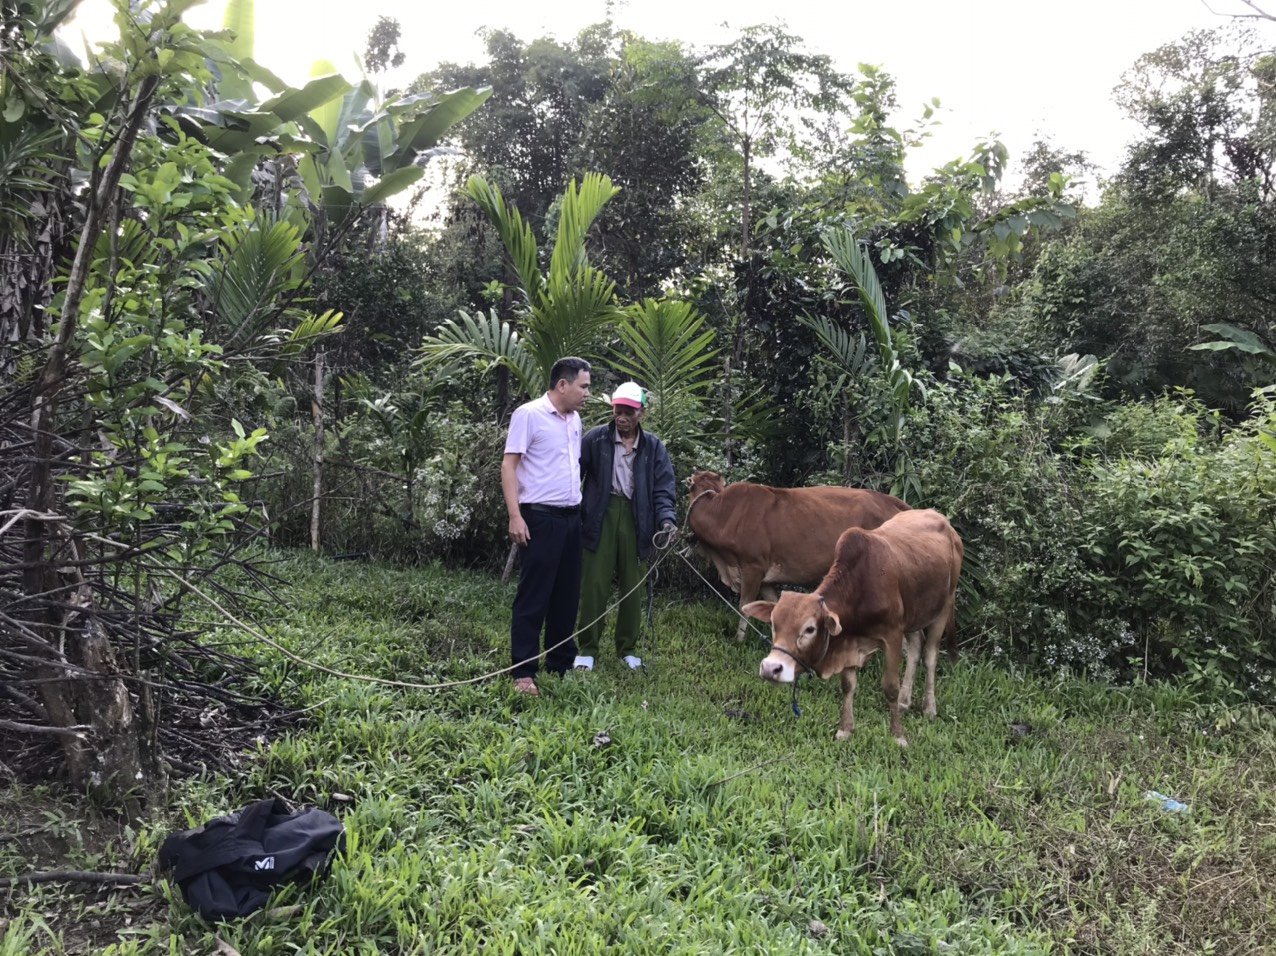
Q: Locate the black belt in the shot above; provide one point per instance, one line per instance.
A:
(553, 509)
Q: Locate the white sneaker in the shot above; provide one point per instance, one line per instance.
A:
(584, 663)
(634, 662)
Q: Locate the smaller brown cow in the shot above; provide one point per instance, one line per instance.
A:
(759, 537)
(896, 580)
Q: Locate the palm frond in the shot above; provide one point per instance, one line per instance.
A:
(845, 353)
(312, 328)
(486, 341)
(581, 206)
(667, 346)
(258, 262)
(27, 163)
(516, 235)
(852, 259)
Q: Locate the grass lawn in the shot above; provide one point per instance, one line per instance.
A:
(685, 809)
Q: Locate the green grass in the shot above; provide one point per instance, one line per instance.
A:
(714, 820)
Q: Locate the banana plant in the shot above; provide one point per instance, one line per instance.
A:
(564, 310)
(352, 149)
(1236, 339)
(369, 150)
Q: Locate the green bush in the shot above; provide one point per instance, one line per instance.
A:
(451, 510)
(987, 457)
(1183, 543)
(1145, 552)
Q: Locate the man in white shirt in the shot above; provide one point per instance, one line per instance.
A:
(540, 477)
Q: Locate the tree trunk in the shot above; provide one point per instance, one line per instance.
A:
(735, 361)
(848, 432)
(316, 413)
(503, 373)
(727, 407)
(115, 759)
(745, 237)
(105, 759)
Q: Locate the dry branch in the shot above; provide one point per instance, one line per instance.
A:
(74, 876)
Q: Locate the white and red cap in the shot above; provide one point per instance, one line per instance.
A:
(629, 393)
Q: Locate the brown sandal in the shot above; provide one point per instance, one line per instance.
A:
(527, 685)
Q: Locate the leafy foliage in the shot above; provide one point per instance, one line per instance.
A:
(668, 347)
(846, 251)
(566, 309)
(1151, 558)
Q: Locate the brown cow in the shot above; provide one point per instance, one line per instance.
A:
(898, 579)
(759, 537)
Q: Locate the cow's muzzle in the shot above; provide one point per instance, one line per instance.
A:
(776, 670)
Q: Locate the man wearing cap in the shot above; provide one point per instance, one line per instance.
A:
(540, 478)
(629, 493)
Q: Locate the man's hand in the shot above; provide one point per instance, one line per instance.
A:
(666, 535)
(519, 532)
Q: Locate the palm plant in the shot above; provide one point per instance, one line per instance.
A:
(854, 261)
(848, 358)
(565, 310)
(666, 345)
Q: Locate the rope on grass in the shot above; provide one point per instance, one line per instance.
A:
(388, 682)
(793, 701)
(734, 610)
(757, 766)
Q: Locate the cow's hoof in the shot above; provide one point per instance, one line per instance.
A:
(904, 705)
(903, 742)
(844, 734)
(932, 712)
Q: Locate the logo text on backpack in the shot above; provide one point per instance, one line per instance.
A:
(265, 863)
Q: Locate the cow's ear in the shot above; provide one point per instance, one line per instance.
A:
(761, 610)
(834, 623)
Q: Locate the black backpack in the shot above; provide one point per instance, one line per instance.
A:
(229, 866)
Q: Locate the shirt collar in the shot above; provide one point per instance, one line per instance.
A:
(548, 406)
(617, 440)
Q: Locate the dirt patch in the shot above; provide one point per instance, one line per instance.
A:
(42, 831)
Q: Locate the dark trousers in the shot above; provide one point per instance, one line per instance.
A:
(548, 592)
(616, 557)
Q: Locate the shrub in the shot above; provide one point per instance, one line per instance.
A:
(1145, 553)
(443, 501)
(1183, 545)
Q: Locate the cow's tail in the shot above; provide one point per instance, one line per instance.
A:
(950, 634)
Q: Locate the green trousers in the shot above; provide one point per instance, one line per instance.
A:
(616, 557)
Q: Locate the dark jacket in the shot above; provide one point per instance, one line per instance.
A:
(229, 866)
(655, 492)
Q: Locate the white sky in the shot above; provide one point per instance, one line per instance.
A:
(1019, 68)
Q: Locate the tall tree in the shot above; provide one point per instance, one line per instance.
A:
(1185, 237)
(1200, 101)
(651, 132)
(767, 91)
(605, 100)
